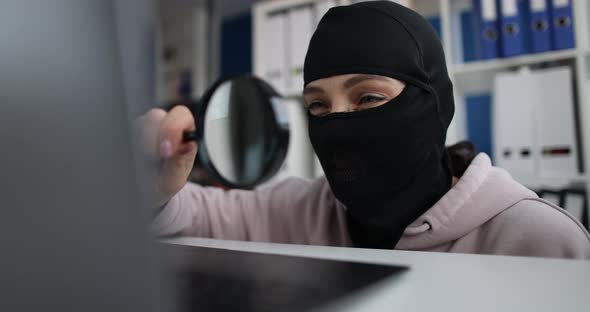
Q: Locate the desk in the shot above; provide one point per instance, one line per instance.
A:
(446, 282)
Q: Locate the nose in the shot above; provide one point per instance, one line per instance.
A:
(341, 107)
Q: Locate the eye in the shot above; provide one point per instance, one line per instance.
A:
(371, 98)
(318, 108)
(315, 105)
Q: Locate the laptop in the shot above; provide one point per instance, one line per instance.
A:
(208, 279)
(74, 227)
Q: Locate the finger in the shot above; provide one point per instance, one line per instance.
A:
(174, 172)
(177, 121)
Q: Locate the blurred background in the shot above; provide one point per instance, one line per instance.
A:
(521, 71)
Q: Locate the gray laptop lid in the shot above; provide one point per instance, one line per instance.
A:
(73, 230)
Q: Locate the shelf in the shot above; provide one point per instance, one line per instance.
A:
(471, 78)
(499, 64)
(555, 183)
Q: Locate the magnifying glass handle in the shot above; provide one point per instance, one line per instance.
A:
(189, 136)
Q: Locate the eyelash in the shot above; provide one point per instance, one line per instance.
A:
(365, 99)
(373, 98)
(315, 104)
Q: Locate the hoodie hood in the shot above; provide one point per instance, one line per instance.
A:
(482, 193)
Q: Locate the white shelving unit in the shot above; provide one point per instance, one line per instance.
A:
(503, 64)
(478, 76)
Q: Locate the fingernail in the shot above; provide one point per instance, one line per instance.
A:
(166, 149)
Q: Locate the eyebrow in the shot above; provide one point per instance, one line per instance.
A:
(360, 78)
(312, 89)
(348, 83)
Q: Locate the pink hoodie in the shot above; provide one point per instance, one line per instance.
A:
(486, 212)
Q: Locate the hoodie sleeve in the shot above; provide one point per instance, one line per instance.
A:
(290, 211)
(534, 227)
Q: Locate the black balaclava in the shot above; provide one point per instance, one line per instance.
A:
(386, 164)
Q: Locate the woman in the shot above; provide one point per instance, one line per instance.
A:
(380, 102)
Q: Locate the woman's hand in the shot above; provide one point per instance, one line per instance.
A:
(161, 134)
